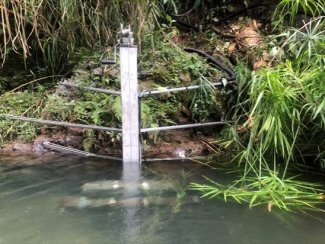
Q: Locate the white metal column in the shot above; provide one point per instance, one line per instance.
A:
(130, 105)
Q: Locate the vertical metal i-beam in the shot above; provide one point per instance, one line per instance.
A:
(130, 101)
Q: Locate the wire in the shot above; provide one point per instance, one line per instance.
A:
(218, 63)
(187, 12)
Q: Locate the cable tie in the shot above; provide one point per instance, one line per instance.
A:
(224, 81)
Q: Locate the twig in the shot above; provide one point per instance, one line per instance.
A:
(33, 81)
(199, 162)
(218, 31)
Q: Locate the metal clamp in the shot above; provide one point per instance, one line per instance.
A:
(126, 38)
(109, 62)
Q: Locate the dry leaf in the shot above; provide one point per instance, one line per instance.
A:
(232, 47)
(249, 37)
(269, 206)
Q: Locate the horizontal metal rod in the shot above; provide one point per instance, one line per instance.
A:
(177, 89)
(175, 127)
(143, 93)
(94, 89)
(63, 149)
(59, 123)
(146, 159)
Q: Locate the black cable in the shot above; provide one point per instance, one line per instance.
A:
(241, 11)
(228, 17)
(188, 25)
(186, 13)
(218, 63)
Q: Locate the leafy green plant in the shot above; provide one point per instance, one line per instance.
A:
(26, 131)
(58, 108)
(90, 140)
(204, 101)
(274, 119)
(117, 108)
(270, 190)
(114, 137)
(307, 41)
(291, 8)
(279, 118)
(20, 103)
(282, 105)
(171, 66)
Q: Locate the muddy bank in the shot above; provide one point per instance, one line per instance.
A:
(170, 144)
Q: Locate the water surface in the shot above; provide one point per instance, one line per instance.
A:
(47, 199)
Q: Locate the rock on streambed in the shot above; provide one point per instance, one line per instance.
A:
(110, 185)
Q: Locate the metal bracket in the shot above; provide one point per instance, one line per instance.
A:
(126, 38)
(109, 62)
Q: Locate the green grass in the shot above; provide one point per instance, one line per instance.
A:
(269, 190)
(291, 8)
(279, 119)
(279, 106)
(51, 30)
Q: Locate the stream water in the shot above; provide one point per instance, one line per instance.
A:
(69, 199)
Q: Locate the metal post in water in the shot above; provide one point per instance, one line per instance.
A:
(130, 131)
(130, 102)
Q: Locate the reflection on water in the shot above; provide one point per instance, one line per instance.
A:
(68, 199)
(131, 189)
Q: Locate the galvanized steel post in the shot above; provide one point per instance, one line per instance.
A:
(130, 101)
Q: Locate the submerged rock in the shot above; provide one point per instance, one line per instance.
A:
(111, 185)
(85, 202)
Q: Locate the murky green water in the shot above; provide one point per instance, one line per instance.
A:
(67, 199)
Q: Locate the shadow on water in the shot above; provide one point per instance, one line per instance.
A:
(71, 199)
